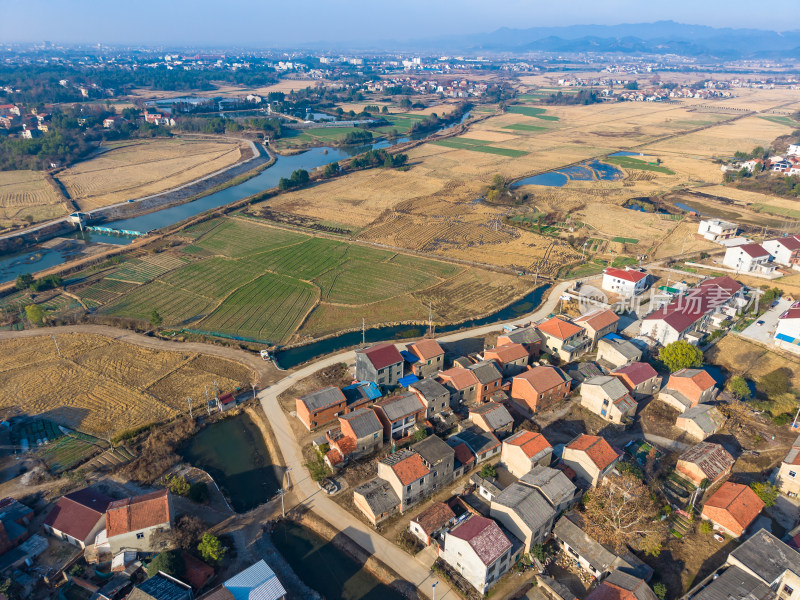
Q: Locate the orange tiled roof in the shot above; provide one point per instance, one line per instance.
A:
(530, 442)
(410, 469)
(598, 319)
(596, 448)
(559, 328)
(542, 378)
(139, 512)
(738, 500)
(460, 377)
(507, 353)
(426, 349)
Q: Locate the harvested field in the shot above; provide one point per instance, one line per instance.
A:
(141, 168)
(99, 385)
(27, 198)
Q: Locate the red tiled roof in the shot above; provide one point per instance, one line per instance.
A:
(543, 378)
(738, 500)
(598, 319)
(792, 313)
(484, 536)
(559, 328)
(196, 572)
(636, 373)
(334, 457)
(77, 513)
(382, 355)
(463, 454)
(633, 276)
(507, 353)
(140, 512)
(596, 448)
(435, 517)
(791, 242)
(686, 310)
(410, 469)
(426, 349)
(530, 442)
(460, 377)
(754, 250)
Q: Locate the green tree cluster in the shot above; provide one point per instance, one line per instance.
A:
(681, 355)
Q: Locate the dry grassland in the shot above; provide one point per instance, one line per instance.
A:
(143, 168)
(27, 194)
(98, 384)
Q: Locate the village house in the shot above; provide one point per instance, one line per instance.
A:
(592, 556)
(622, 586)
(364, 428)
(704, 462)
(787, 330)
(483, 444)
(131, 523)
(479, 551)
(407, 475)
(771, 561)
(701, 421)
(687, 388)
(748, 258)
(732, 508)
(376, 499)
(687, 315)
(598, 323)
(489, 379)
(439, 458)
(539, 388)
(787, 478)
(462, 384)
(525, 450)
(626, 282)
(78, 517)
(715, 230)
(161, 587)
(399, 414)
(433, 395)
(563, 338)
(553, 484)
(494, 417)
(429, 357)
(614, 351)
(591, 457)
(320, 407)
(512, 358)
(381, 364)
(529, 337)
(432, 522)
(785, 250)
(113, 122)
(608, 397)
(464, 458)
(640, 378)
(258, 581)
(525, 512)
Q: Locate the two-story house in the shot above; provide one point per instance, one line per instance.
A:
(399, 414)
(528, 336)
(748, 258)
(614, 351)
(788, 477)
(591, 457)
(626, 282)
(640, 378)
(131, 523)
(407, 475)
(553, 484)
(525, 512)
(525, 450)
(563, 338)
(433, 395)
(320, 406)
(785, 251)
(715, 230)
(381, 364)
(364, 428)
(511, 358)
(429, 357)
(688, 388)
(489, 379)
(439, 458)
(494, 417)
(462, 384)
(608, 397)
(538, 389)
(598, 323)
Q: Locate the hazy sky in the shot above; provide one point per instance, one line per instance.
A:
(268, 23)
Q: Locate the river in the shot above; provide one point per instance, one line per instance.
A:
(40, 257)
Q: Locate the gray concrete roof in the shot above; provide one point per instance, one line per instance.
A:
(430, 388)
(433, 449)
(379, 495)
(327, 396)
(733, 584)
(576, 538)
(612, 386)
(364, 422)
(530, 505)
(552, 483)
(767, 556)
(401, 406)
(486, 371)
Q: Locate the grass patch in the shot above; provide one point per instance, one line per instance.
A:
(775, 210)
(624, 261)
(523, 127)
(628, 162)
(531, 111)
(624, 240)
(788, 121)
(459, 144)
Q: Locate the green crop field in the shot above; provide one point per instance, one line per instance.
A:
(788, 121)
(624, 240)
(467, 144)
(627, 162)
(523, 127)
(259, 282)
(777, 210)
(531, 111)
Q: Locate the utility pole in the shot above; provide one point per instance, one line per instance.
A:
(208, 402)
(433, 590)
(281, 493)
(794, 423)
(57, 348)
(430, 318)
(363, 332)
(254, 390)
(190, 408)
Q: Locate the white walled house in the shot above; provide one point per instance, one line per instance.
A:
(607, 397)
(625, 282)
(787, 331)
(785, 251)
(748, 258)
(793, 150)
(717, 229)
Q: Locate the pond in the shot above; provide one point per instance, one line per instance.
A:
(586, 171)
(325, 568)
(233, 452)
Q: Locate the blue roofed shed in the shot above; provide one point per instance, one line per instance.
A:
(408, 380)
(408, 357)
(257, 582)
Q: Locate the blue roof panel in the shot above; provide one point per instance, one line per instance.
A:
(408, 357)
(613, 336)
(408, 380)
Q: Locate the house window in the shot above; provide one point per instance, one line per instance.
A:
(792, 474)
(375, 436)
(139, 536)
(605, 402)
(408, 488)
(429, 362)
(787, 591)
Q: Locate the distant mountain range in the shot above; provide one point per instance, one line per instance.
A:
(661, 37)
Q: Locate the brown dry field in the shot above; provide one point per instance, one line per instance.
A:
(27, 194)
(99, 384)
(148, 167)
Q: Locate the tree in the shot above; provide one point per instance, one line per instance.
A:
(622, 513)
(169, 562)
(681, 355)
(35, 314)
(766, 491)
(211, 549)
(660, 590)
(739, 388)
(177, 484)
(23, 281)
(488, 471)
(155, 318)
(420, 434)
(187, 531)
(331, 170)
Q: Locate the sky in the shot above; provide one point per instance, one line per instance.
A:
(287, 23)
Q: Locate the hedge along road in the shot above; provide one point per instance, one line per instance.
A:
(308, 493)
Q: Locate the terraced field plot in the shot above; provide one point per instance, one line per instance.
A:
(532, 111)
(99, 384)
(27, 198)
(478, 146)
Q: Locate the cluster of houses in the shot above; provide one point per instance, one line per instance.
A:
(32, 124)
(787, 164)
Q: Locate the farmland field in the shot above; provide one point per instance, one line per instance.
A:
(98, 384)
(27, 198)
(140, 168)
(246, 279)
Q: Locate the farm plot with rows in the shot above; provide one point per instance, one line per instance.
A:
(26, 198)
(99, 384)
